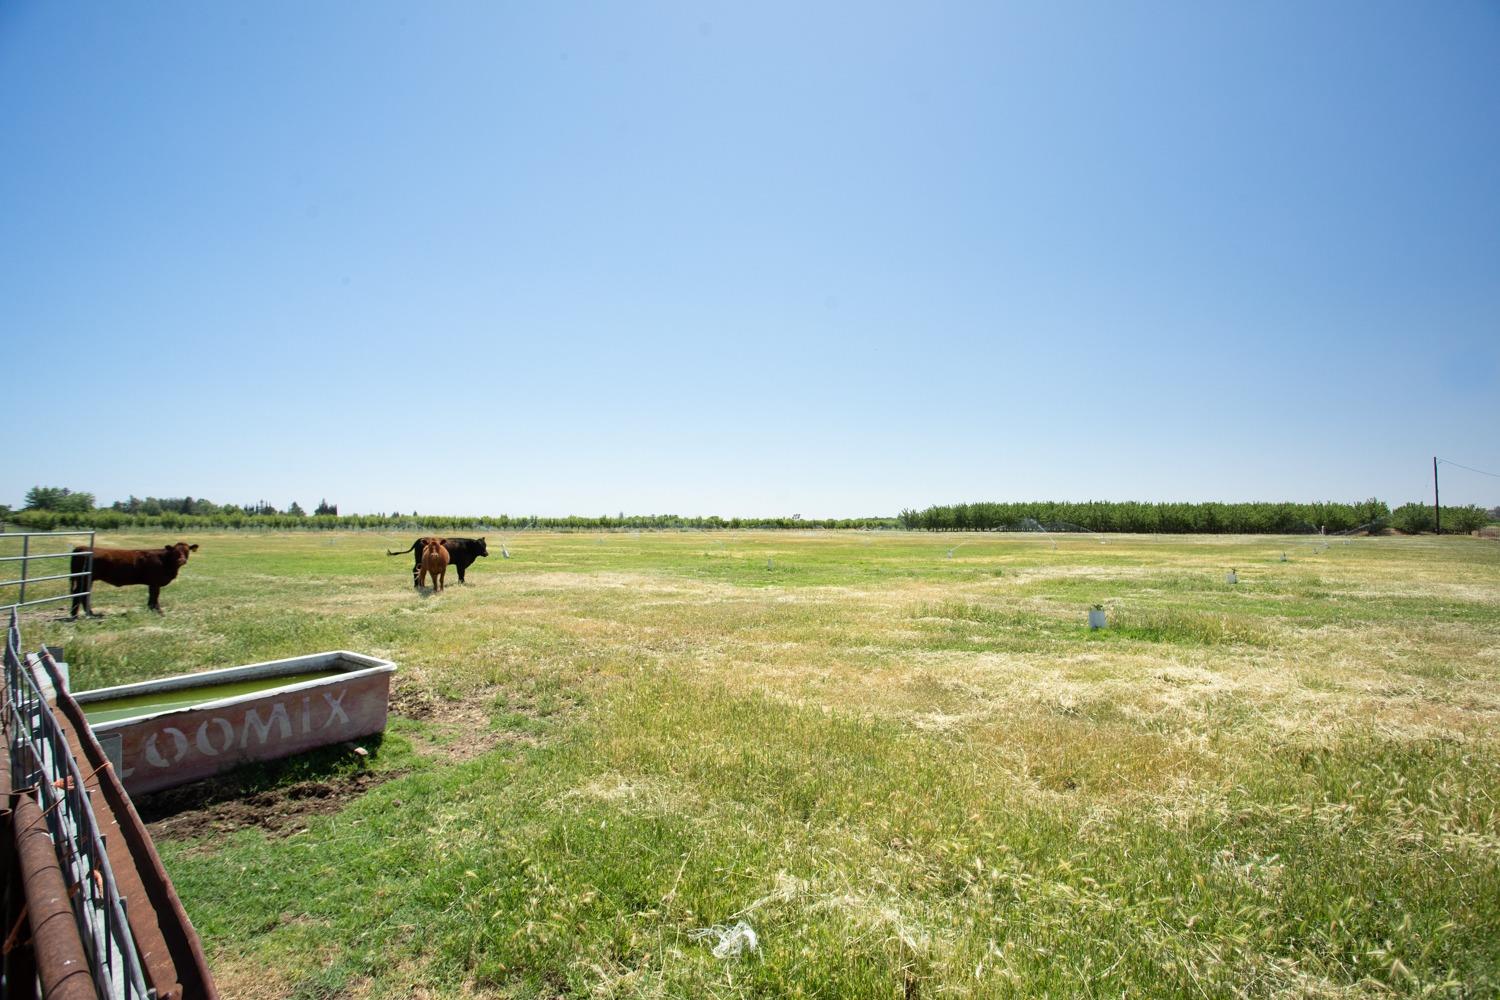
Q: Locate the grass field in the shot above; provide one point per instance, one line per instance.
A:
(903, 759)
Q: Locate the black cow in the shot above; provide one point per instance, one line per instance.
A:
(154, 568)
(461, 555)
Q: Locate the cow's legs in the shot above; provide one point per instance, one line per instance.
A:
(460, 568)
(85, 600)
(154, 601)
(416, 570)
(82, 586)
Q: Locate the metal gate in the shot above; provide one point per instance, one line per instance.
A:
(53, 845)
(27, 557)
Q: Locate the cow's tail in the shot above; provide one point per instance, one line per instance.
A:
(403, 551)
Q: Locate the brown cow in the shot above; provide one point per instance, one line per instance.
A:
(434, 563)
(154, 568)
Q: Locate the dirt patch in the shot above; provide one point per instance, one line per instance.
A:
(455, 732)
(413, 703)
(211, 809)
(461, 730)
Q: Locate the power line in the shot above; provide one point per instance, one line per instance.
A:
(1445, 461)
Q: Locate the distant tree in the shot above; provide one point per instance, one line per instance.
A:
(1412, 518)
(325, 508)
(295, 510)
(1463, 520)
(58, 498)
(43, 497)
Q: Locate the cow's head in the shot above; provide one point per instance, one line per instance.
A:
(180, 551)
(484, 549)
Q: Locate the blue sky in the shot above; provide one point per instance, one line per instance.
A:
(763, 259)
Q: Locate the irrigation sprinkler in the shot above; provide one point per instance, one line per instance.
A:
(1097, 618)
(1231, 577)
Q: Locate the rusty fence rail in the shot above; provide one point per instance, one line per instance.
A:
(43, 766)
(27, 557)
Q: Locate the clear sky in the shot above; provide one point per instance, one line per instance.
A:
(749, 259)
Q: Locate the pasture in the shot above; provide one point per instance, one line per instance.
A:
(902, 758)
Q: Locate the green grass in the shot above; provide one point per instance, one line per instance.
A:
(914, 774)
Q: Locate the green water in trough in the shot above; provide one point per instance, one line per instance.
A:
(165, 701)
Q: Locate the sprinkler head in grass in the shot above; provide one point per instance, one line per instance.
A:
(768, 563)
(1096, 618)
(1231, 577)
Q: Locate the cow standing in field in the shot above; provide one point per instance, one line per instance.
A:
(154, 568)
(461, 554)
(434, 564)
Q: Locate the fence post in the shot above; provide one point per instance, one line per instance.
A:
(25, 560)
(88, 570)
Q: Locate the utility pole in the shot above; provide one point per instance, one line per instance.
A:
(1437, 511)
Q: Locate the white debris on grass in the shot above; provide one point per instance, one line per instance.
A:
(732, 940)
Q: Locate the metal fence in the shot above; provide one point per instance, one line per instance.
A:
(27, 557)
(43, 767)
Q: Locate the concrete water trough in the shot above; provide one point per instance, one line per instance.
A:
(186, 728)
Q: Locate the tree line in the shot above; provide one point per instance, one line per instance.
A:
(107, 519)
(155, 506)
(1190, 518)
(51, 508)
(54, 508)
